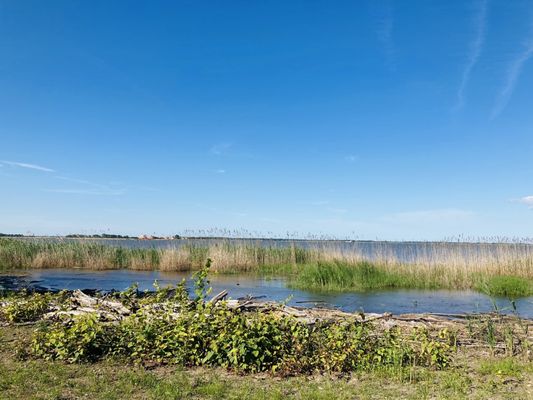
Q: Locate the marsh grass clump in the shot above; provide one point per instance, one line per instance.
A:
(511, 287)
(338, 275)
(249, 257)
(505, 335)
(508, 366)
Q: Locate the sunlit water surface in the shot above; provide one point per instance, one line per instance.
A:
(242, 285)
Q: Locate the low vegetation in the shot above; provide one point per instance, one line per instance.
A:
(360, 276)
(26, 307)
(167, 327)
(246, 343)
(472, 377)
(175, 344)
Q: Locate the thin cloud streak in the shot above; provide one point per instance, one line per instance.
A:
(82, 181)
(93, 189)
(476, 47)
(93, 192)
(26, 165)
(512, 75)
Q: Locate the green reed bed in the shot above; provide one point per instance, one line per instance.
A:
(19, 254)
(365, 276)
(507, 286)
(340, 276)
(505, 270)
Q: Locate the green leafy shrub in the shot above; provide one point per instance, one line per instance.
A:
(201, 283)
(84, 340)
(434, 352)
(241, 341)
(25, 307)
(168, 328)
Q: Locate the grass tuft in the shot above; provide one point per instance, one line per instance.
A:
(340, 276)
(505, 367)
(511, 287)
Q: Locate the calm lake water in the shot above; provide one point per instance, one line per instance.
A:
(397, 301)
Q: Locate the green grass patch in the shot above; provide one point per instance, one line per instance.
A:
(506, 286)
(340, 276)
(504, 367)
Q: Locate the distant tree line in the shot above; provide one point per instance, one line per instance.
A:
(115, 236)
(97, 236)
(100, 236)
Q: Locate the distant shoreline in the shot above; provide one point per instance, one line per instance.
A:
(251, 239)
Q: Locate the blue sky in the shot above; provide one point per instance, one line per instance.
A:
(369, 119)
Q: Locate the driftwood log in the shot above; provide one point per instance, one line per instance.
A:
(82, 304)
(93, 302)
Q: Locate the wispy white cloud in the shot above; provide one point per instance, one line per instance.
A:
(527, 200)
(220, 171)
(511, 78)
(428, 216)
(81, 181)
(81, 187)
(88, 188)
(26, 165)
(475, 49)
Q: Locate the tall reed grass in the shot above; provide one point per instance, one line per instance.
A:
(319, 265)
(228, 257)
